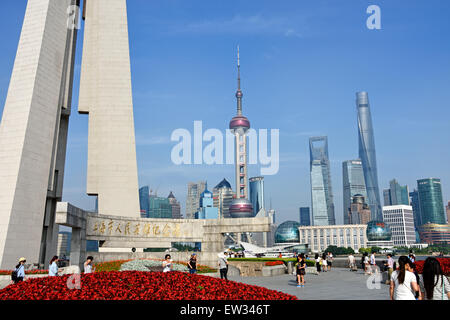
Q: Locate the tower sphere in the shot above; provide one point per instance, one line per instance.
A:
(241, 208)
(240, 122)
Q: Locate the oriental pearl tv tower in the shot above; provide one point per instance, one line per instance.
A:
(241, 207)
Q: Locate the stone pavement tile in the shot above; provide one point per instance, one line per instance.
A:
(339, 284)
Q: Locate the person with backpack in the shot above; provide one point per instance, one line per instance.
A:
(18, 274)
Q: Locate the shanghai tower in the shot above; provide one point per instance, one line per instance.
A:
(367, 154)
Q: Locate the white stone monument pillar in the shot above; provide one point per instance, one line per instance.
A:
(105, 94)
(33, 133)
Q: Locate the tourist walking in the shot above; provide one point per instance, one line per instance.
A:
(373, 263)
(351, 262)
(18, 274)
(301, 270)
(324, 262)
(167, 263)
(403, 281)
(317, 259)
(223, 266)
(367, 269)
(53, 268)
(433, 284)
(192, 264)
(329, 260)
(88, 264)
(390, 267)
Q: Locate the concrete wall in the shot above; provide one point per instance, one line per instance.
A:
(105, 94)
(28, 128)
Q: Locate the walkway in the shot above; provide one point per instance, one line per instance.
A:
(339, 284)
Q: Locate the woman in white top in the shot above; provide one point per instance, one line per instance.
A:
(403, 281)
(433, 283)
(53, 269)
(167, 263)
(88, 264)
(324, 262)
(367, 269)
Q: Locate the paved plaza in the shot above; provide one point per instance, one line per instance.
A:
(339, 284)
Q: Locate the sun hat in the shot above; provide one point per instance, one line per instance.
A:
(22, 259)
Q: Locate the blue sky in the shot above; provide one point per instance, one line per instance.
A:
(301, 64)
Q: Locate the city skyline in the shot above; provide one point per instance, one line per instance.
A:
(273, 75)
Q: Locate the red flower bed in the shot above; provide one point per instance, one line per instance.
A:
(109, 265)
(273, 263)
(444, 262)
(136, 285)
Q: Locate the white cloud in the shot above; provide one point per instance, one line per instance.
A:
(241, 25)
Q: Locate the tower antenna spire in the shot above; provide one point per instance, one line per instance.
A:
(239, 91)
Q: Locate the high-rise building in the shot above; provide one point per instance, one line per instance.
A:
(159, 207)
(359, 211)
(367, 154)
(396, 194)
(144, 201)
(430, 200)
(305, 219)
(207, 209)
(321, 191)
(400, 220)
(353, 184)
(415, 204)
(447, 209)
(153, 206)
(175, 205)
(239, 125)
(193, 198)
(257, 194)
(223, 197)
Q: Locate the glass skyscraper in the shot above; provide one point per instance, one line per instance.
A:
(305, 219)
(143, 201)
(367, 154)
(353, 184)
(257, 194)
(321, 191)
(415, 204)
(396, 194)
(153, 206)
(430, 200)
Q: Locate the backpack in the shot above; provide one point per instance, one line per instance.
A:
(14, 275)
